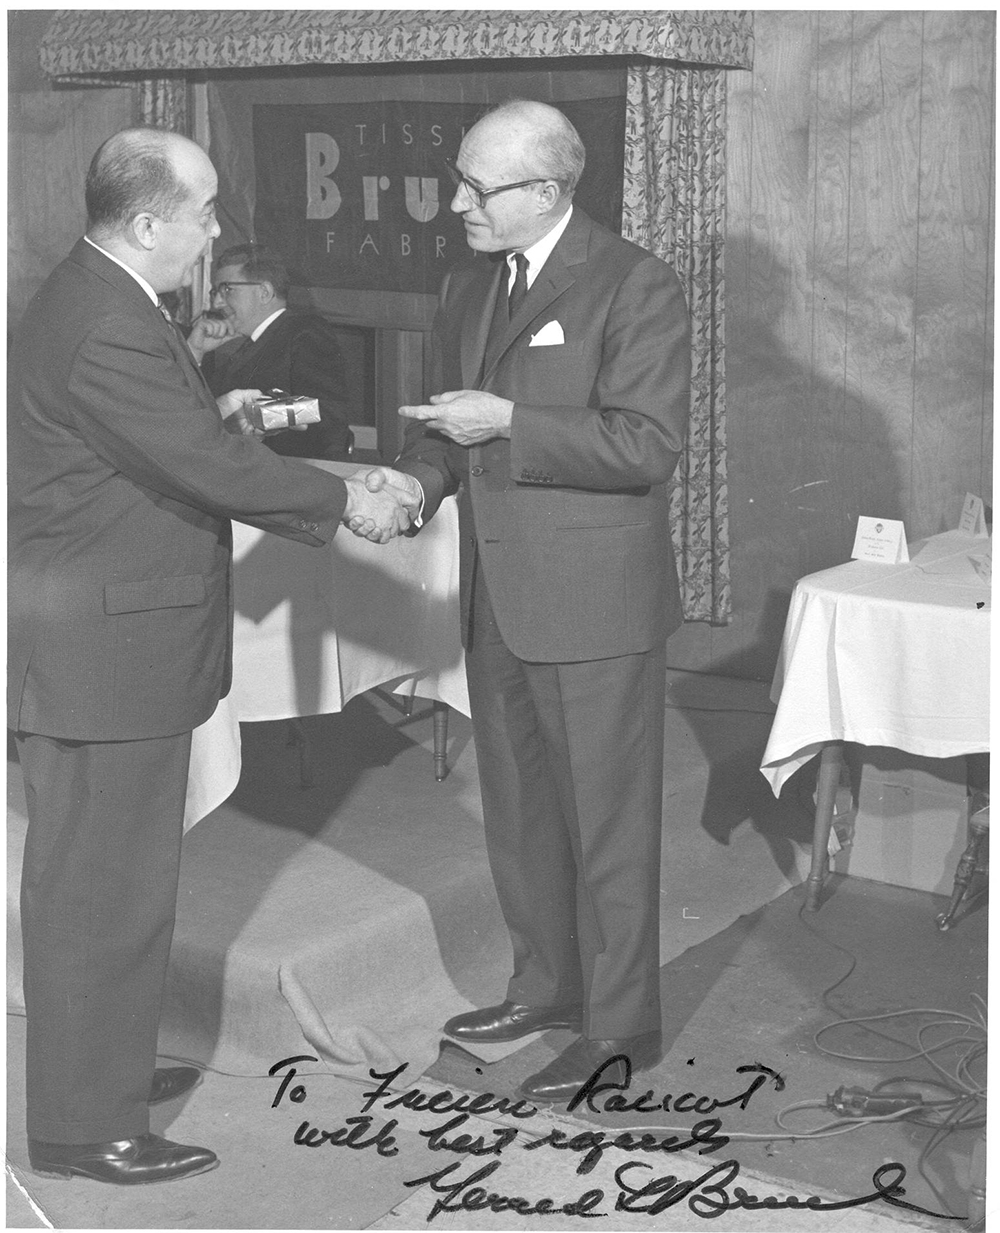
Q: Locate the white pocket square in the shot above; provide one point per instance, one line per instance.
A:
(550, 335)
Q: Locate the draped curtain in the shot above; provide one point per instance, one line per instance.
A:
(163, 102)
(674, 205)
(674, 166)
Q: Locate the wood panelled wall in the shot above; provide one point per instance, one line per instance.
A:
(859, 259)
(53, 132)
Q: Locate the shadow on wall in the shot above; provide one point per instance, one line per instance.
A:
(808, 452)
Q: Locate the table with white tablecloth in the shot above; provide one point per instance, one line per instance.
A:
(314, 627)
(887, 655)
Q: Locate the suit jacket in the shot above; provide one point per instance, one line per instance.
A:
(568, 519)
(122, 482)
(298, 354)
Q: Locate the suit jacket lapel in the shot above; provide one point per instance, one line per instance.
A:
(475, 335)
(98, 263)
(552, 280)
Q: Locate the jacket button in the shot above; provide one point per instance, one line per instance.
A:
(477, 470)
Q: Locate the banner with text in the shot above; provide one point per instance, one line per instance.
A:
(357, 195)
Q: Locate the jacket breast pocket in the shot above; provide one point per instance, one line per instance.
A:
(557, 351)
(183, 591)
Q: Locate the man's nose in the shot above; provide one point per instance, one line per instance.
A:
(460, 207)
(216, 229)
(217, 297)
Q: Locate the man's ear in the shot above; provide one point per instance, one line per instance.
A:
(145, 227)
(266, 292)
(548, 195)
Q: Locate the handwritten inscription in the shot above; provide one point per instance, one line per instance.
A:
(462, 1185)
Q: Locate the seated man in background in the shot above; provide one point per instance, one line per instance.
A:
(283, 348)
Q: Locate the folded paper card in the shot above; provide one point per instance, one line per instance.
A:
(973, 519)
(880, 539)
(550, 335)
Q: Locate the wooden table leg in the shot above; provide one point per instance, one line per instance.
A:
(826, 798)
(979, 828)
(440, 740)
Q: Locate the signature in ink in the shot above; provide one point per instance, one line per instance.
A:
(708, 1197)
(466, 1196)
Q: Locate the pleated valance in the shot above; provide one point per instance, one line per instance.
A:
(90, 44)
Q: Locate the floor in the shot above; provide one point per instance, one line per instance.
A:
(745, 981)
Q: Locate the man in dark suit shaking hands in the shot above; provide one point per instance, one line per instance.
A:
(124, 473)
(560, 394)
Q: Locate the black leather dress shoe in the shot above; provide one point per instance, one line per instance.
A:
(566, 1074)
(169, 1082)
(125, 1162)
(511, 1021)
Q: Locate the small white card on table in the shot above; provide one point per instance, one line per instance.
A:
(880, 539)
(973, 519)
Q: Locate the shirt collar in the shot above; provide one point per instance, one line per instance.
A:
(127, 268)
(264, 324)
(540, 251)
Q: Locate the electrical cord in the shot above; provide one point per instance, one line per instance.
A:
(966, 1094)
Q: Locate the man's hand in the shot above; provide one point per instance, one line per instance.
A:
(412, 498)
(468, 417)
(236, 409)
(380, 514)
(207, 333)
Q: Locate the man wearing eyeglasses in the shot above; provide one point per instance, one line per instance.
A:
(560, 390)
(270, 346)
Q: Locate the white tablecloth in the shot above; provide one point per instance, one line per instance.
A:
(893, 655)
(316, 626)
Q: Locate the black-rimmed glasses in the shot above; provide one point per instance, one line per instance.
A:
(479, 195)
(224, 289)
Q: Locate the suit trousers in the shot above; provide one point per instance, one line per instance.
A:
(98, 900)
(571, 773)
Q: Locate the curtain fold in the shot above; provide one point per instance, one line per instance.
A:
(674, 205)
(86, 43)
(163, 102)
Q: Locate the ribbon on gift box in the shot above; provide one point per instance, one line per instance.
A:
(276, 414)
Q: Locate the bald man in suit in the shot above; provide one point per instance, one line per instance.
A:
(560, 394)
(124, 473)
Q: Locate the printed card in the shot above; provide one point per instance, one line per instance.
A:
(973, 519)
(880, 539)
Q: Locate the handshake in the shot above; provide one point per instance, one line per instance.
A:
(381, 503)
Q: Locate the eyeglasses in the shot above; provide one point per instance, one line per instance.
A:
(224, 289)
(480, 195)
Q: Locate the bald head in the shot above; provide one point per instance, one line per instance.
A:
(151, 204)
(137, 170)
(537, 140)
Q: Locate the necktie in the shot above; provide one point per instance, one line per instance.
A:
(519, 288)
(169, 318)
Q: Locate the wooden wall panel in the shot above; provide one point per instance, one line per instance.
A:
(859, 298)
(873, 447)
(953, 208)
(52, 136)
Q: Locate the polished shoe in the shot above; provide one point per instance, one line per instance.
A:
(566, 1074)
(170, 1082)
(511, 1021)
(125, 1162)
